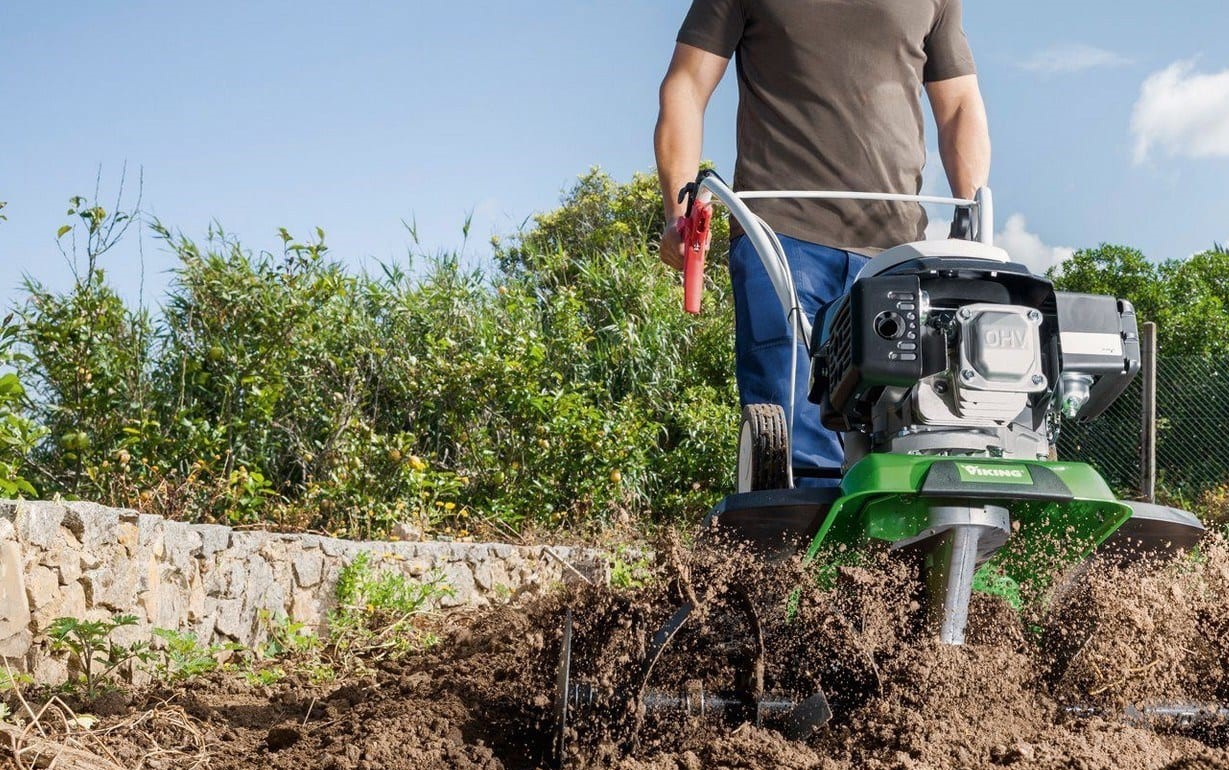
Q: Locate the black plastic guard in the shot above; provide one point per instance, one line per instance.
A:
(777, 523)
(1153, 531)
(943, 480)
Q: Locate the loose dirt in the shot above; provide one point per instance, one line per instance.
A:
(1055, 689)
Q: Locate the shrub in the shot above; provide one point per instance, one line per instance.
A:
(1213, 506)
(18, 432)
(561, 387)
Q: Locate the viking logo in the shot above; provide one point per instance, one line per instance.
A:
(995, 474)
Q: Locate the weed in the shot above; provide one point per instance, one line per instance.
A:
(264, 676)
(630, 569)
(377, 608)
(98, 655)
(14, 680)
(183, 656)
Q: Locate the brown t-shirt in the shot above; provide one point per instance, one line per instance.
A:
(830, 99)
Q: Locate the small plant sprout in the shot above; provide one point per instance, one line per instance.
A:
(97, 654)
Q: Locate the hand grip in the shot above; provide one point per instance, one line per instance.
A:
(697, 234)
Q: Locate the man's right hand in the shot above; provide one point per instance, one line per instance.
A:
(685, 91)
(673, 250)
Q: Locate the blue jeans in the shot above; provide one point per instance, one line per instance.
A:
(763, 336)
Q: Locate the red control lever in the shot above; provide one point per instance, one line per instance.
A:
(697, 233)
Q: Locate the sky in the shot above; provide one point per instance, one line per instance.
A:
(1110, 121)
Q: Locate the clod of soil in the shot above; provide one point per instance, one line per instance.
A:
(1052, 690)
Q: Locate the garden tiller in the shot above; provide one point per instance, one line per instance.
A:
(948, 371)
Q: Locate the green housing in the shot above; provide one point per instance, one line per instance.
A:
(1060, 512)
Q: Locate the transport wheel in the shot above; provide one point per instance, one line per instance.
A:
(763, 449)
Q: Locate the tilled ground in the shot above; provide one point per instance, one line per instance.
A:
(484, 697)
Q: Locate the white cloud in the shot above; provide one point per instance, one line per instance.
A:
(1183, 112)
(1024, 247)
(1075, 57)
(1028, 249)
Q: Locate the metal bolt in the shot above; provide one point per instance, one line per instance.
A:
(940, 387)
(1034, 316)
(965, 313)
(1039, 379)
(967, 375)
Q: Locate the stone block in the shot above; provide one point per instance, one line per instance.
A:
(65, 602)
(244, 544)
(38, 522)
(406, 531)
(306, 608)
(113, 590)
(214, 578)
(14, 603)
(46, 669)
(43, 592)
(72, 601)
(257, 584)
(64, 556)
(129, 536)
(417, 567)
(17, 645)
(214, 538)
(182, 541)
(70, 570)
(458, 578)
(339, 548)
(308, 568)
(274, 549)
(232, 622)
(94, 525)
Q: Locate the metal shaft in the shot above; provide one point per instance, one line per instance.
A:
(954, 578)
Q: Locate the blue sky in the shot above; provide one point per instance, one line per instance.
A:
(1110, 119)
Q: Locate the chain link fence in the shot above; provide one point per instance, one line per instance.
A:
(1192, 432)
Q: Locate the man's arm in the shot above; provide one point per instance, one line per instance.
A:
(689, 84)
(964, 134)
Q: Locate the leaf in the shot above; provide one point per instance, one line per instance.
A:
(84, 721)
(64, 230)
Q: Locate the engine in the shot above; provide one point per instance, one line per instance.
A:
(948, 348)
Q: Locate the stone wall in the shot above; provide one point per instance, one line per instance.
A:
(82, 560)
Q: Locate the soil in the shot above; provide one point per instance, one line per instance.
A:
(1059, 689)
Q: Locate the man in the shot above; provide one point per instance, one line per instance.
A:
(829, 99)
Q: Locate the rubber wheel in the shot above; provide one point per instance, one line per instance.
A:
(763, 449)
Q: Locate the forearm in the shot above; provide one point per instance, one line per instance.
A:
(678, 141)
(964, 146)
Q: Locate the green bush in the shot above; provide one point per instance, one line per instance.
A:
(19, 433)
(560, 387)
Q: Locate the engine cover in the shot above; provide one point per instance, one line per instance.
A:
(999, 360)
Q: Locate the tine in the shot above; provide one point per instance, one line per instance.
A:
(807, 717)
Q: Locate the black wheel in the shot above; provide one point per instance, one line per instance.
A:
(763, 449)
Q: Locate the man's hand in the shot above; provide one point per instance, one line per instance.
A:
(673, 250)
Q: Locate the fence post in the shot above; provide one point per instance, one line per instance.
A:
(1147, 443)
